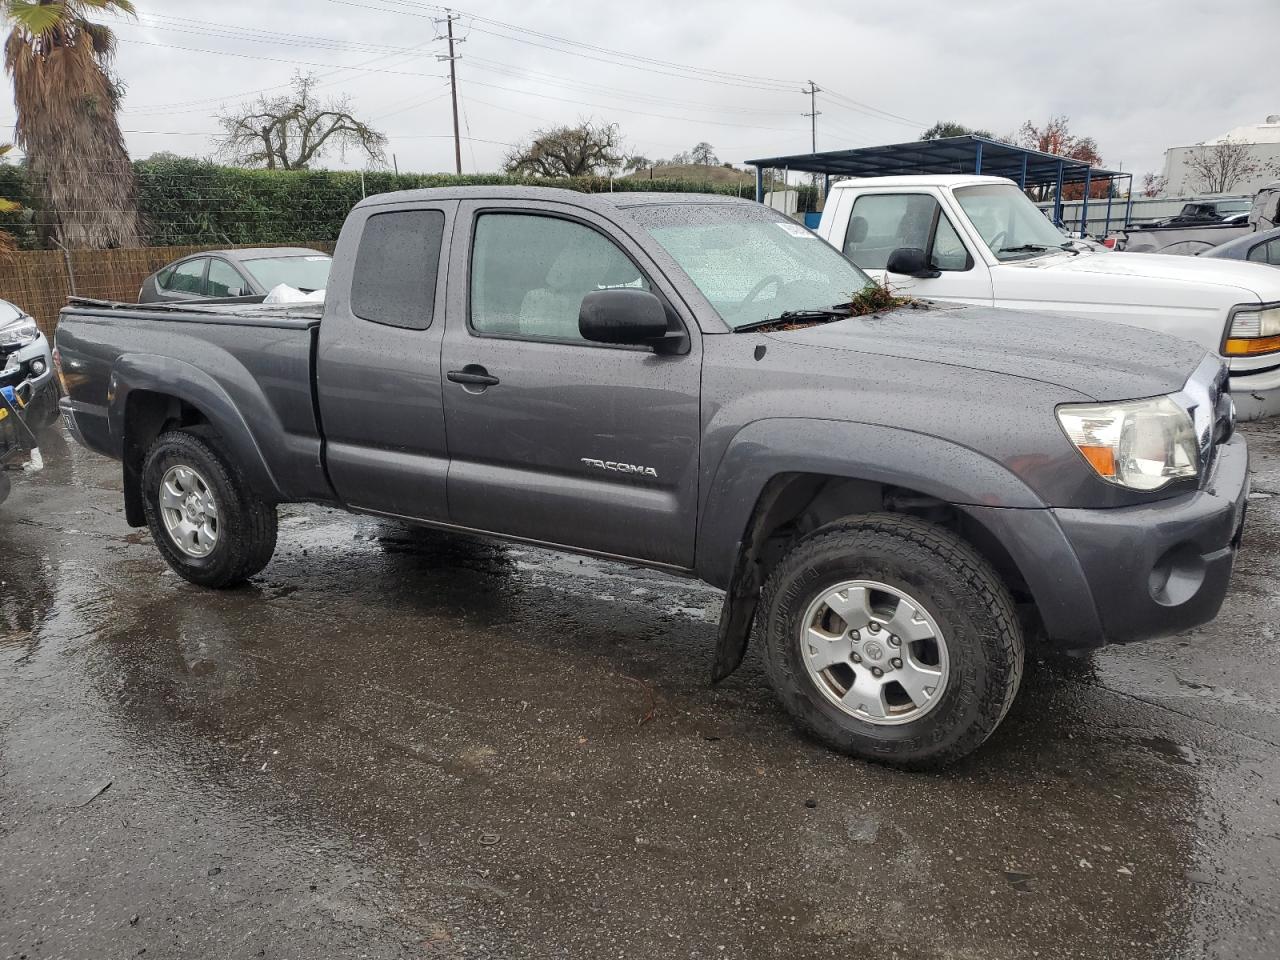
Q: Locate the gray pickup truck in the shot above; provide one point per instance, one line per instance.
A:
(893, 501)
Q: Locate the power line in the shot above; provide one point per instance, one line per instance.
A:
(613, 57)
(642, 113)
(254, 56)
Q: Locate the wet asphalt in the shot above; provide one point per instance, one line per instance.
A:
(396, 743)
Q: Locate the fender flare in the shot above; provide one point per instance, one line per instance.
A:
(190, 384)
(765, 451)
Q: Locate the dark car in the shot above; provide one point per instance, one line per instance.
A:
(679, 381)
(1261, 247)
(1209, 211)
(250, 272)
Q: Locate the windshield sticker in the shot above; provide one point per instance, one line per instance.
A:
(796, 230)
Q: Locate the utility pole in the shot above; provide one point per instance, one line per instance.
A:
(813, 113)
(453, 86)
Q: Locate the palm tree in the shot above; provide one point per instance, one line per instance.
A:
(66, 101)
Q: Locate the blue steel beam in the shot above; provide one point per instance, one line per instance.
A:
(1057, 198)
(1084, 207)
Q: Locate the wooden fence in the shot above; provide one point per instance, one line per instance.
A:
(39, 281)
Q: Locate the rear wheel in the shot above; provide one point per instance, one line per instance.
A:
(891, 639)
(208, 525)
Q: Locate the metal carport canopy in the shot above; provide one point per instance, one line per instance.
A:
(950, 155)
(958, 155)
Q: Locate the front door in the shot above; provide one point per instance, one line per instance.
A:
(879, 223)
(552, 438)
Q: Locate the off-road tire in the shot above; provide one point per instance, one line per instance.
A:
(960, 591)
(246, 523)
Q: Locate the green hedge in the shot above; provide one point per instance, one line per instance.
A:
(185, 201)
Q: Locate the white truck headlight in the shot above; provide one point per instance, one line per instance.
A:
(1253, 330)
(19, 332)
(1139, 444)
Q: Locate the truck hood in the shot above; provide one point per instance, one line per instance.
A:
(1243, 281)
(1103, 361)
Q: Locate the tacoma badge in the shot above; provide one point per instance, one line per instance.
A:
(615, 467)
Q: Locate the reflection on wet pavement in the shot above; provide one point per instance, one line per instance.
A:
(401, 743)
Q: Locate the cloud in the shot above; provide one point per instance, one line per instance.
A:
(1138, 77)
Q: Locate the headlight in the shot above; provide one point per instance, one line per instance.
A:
(1253, 331)
(1142, 444)
(18, 333)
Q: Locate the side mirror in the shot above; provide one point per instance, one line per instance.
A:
(911, 262)
(625, 316)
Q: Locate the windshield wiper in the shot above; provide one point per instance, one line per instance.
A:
(1026, 248)
(795, 316)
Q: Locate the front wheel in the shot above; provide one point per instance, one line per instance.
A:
(891, 639)
(209, 526)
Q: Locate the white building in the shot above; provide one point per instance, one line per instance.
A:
(1264, 149)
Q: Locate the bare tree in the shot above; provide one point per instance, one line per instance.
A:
(704, 154)
(289, 132)
(585, 150)
(637, 161)
(1154, 185)
(1224, 164)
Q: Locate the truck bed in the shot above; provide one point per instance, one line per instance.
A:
(245, 367)
(288, 315)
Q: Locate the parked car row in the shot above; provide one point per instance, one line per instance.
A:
(892, 491)
(1203, 225)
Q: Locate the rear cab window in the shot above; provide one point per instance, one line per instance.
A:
(397, 262)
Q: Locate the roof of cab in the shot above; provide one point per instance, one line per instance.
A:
(923, 180)
(603, 201)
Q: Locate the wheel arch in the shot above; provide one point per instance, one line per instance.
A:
(150, 394)
(780, 480)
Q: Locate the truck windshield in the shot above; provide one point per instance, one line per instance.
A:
(306, 273)
(751, 263)
(1011, 226)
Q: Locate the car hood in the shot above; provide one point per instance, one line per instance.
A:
(1250, 279)
(1101, 360)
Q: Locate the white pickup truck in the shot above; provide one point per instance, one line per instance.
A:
(974, 239)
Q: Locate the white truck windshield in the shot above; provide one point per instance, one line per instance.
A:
(751, 264)
(1011, 226)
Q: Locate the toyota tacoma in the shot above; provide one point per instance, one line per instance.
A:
(889, 502)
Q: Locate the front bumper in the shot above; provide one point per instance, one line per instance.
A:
(29, 370)
(1256, 392)
(1164, 567)
(1130, 573)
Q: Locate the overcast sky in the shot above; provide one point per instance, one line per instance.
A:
(1138, 76)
